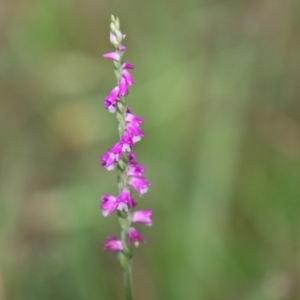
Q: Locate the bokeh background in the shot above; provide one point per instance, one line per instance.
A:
(218, 84)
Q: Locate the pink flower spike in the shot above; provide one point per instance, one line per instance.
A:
(112, 55)
(140, 184)
(113, 244)
(134, 237)
(143, 216)
(128, 77)
(108, 204)
(127, 65)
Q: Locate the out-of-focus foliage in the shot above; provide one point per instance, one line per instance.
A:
(218, 85)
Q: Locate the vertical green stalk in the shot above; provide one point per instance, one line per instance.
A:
(128, 284)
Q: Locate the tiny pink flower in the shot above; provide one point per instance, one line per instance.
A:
(143, 216)
(131, 118)
(134, 237)
(112, 156)
(128, 77)
(140, 184)
(111, 99)
(122, 48)
(125, 197)
(109, 204)
(131, 157)
(135, 169)
(108, 161)
(127, 142)
(113, 244)
(112, 55)
(127, 65)
(113, 95)
(111, 107)
(123, 87)
(135, 132)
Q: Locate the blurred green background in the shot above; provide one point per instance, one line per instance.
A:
(218, 84)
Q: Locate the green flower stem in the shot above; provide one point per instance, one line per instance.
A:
(128, 284)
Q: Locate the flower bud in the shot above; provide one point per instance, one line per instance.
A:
(119, 36)
(113, 27)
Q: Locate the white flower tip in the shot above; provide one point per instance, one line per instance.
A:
(136, 139)
(144, 190)
(112, 109)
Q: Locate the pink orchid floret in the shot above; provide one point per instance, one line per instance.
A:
(134, 237)
(131, 118)
(122, 48)
(112, 156)
(128, 77)
(140, 184)
(135, 169)
(136, 180)
(123, 87)
(111, 100)
(110, 106)
(142, 216)
(135, 132)
(113, 244)
(108, 161)
(125, 197)
(112, 56)
(127, 65)
(131, 157)
(127, 142)
(110, 203)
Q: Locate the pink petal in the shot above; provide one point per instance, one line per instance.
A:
(108, 204)
(123, 87)
(134, 237)
(122, 48)
(128, 77)
(112, 55)
(113, 244)
(140, 184)
(143, 216)
(127, 65)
